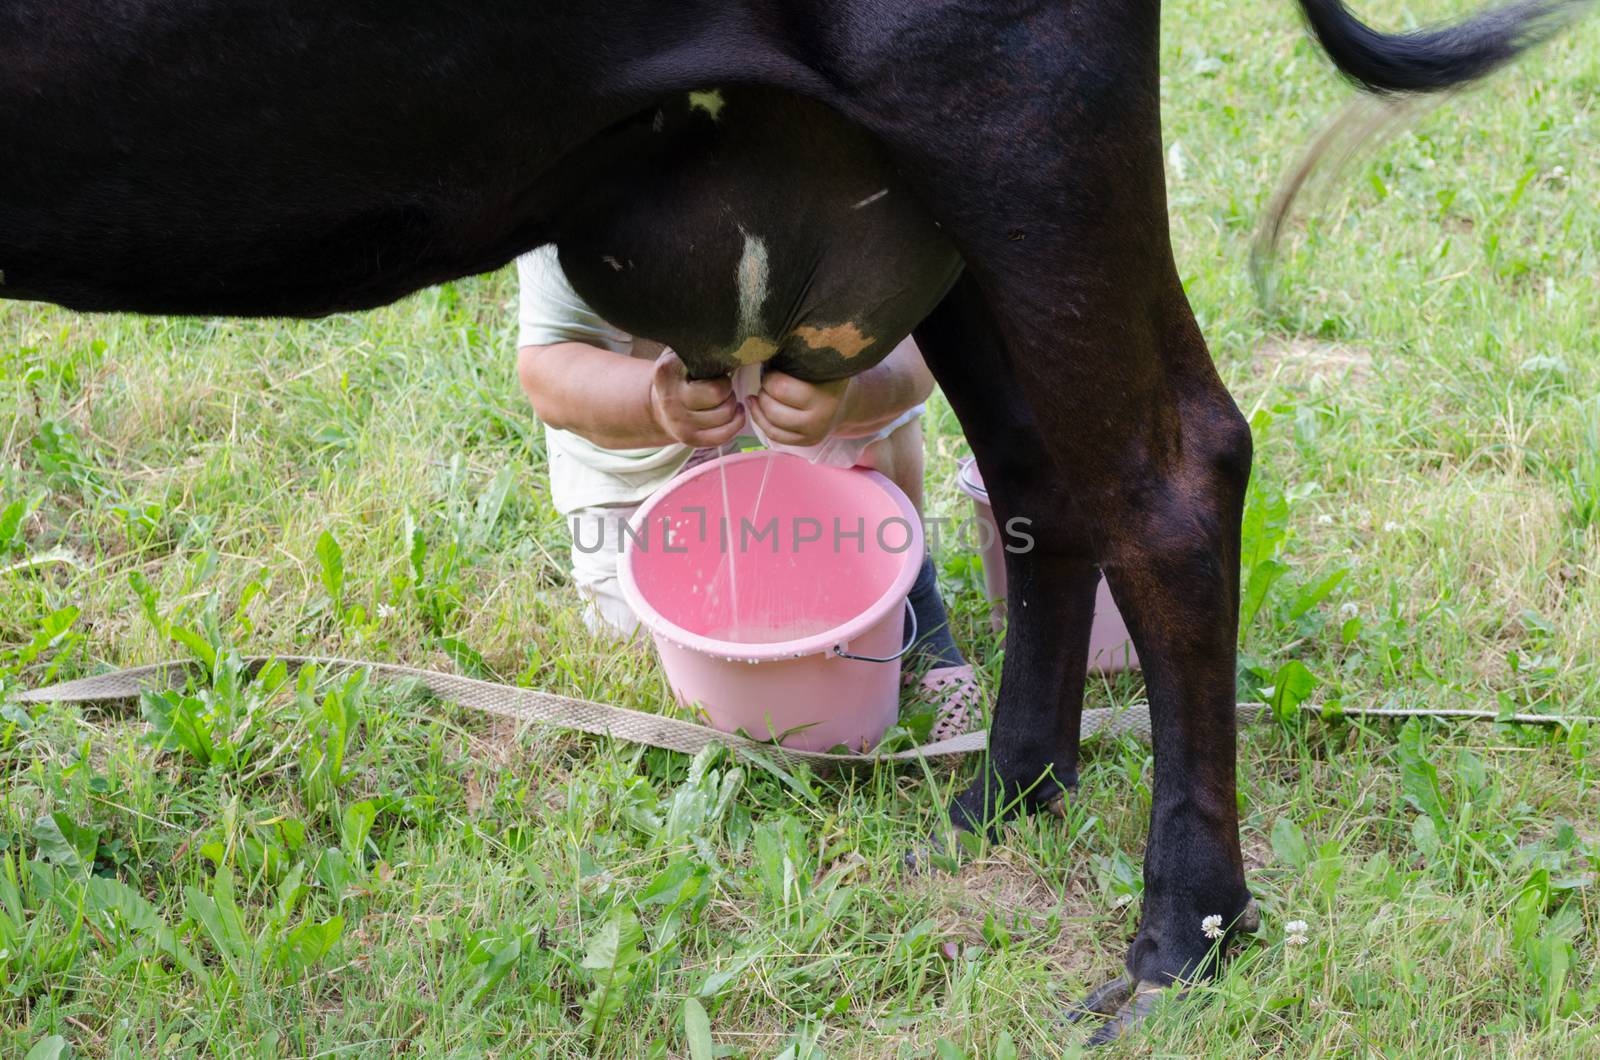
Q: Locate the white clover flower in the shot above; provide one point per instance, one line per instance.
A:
(1212, 926)
(1349, 609)
(1391, 526)
(1324, 519)
(387, 611)
(1122, 901)
(1295, 931)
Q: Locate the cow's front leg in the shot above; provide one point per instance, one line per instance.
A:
(1032, 760)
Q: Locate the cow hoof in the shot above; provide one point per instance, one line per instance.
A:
(1123, 1001)
(1140, 1001)
(944, 851)
(1103, 1000)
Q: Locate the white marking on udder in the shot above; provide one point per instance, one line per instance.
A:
(752, 283)
(870, 199)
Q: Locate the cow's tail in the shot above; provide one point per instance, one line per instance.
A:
(1395, 66)
(1435, 58)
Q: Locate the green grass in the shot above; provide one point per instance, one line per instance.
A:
(332, 869)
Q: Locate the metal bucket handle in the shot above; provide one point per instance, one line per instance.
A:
(911, 613)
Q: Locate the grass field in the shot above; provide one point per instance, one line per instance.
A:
(333, 868)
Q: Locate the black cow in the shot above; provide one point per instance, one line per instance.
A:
(801, 182)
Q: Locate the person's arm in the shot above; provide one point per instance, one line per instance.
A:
(621, 402)
(876, 397)
(794, 412)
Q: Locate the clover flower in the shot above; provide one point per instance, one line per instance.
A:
(1212, 926)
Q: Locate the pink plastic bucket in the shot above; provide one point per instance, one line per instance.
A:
(823, 565)
(1110, 648)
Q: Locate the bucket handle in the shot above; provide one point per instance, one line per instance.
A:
(911, 613)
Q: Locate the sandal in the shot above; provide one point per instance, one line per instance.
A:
(955, 694)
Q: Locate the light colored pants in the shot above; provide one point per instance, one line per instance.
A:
(594, 573)
(597, 546)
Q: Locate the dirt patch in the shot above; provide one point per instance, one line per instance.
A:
(497, 741)
(495, 751)
(1004, 886)
(1302, 360)
(149, 401)
(1257, 851)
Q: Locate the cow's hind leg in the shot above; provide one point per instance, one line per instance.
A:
(1168, 527)
(1130, 453)
(1049, 180)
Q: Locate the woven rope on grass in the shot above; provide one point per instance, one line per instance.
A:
(652, 730)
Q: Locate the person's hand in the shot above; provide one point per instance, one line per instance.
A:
(699, 413)
(793, 412)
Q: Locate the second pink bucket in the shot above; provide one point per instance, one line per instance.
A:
(786, 621)
(1110, 647)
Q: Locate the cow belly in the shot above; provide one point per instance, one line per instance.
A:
(745, 226)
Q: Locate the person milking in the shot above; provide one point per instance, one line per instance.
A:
(622, 418)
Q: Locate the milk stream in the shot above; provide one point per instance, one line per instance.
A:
(732, 542)
(746, 385)
(729, 535)
(755, 511)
